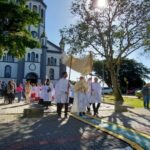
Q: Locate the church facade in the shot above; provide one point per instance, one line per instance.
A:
(39, 63)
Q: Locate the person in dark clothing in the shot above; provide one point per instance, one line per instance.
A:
(146, 95)
(11, 92)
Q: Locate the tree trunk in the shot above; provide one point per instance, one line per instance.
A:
(116, 90)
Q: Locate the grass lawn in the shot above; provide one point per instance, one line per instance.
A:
(128, 101)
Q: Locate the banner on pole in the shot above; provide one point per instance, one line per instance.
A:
(82, 65)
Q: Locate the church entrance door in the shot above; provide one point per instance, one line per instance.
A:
(32, 77)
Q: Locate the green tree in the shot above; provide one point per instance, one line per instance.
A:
(101, 71)
(131, 74)
(112, 32)
(14, 36)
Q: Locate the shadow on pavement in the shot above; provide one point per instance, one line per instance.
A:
(49, 133)
(130, 120)
(14, 106)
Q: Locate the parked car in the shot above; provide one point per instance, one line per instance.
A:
(138, 93)
(107, 90)
(131, 91)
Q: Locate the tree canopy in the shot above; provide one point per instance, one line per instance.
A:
(112, 32)
(131, 74)
(14, 36)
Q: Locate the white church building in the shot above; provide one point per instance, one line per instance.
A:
(39, 63)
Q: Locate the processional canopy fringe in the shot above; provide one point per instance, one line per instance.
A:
(83, 65)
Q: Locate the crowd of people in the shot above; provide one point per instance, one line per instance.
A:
(80, 95)
(8, 90)
(24, 92)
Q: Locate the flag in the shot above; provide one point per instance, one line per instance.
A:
(83, 65)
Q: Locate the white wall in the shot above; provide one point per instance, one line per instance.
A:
(52, 48)
(14, 70)
(36, 50)
(56, 71)
(36, 71)
(57, 56)
(14, 67)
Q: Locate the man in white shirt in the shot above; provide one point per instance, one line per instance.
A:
(61, 93)
(96, 96)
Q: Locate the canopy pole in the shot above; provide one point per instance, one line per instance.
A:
(69, 75)
(91, 70)
(70, 66)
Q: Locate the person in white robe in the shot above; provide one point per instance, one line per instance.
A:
(80, 97)
(33, 91)
(37, 91)
(96, 96)
(41, 94)
(47, 93)
(51, 88)
(28, 89)
(61, 94)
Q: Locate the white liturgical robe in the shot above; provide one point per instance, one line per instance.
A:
(80, 97)
(47, 92)
(60, 91)
(89, 92)
(96, 93)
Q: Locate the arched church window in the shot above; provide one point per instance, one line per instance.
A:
(42, 15)
(59, 61)
(48, 61)
(55, 61)
(34, 34)
(52, 73)
(32, 56)
(37, 58)
(7, 72)
(5, 57)
(52, 61)
(10, 58)
(28, 57)
(35, 8)
(42, 42)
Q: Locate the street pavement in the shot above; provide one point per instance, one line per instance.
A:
(47, 133)
(135, 118)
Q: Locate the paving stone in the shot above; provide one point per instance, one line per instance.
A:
(47, 133)
(51, 134)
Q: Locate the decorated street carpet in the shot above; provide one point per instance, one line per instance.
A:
(136, 139)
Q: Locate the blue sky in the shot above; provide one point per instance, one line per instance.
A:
(58, 15)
